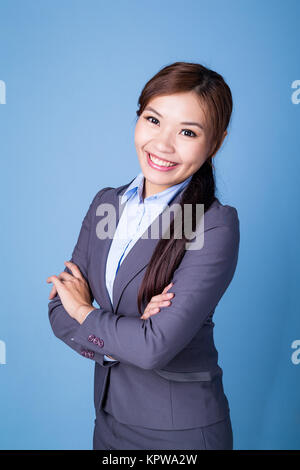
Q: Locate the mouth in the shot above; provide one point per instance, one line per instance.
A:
(160, 163)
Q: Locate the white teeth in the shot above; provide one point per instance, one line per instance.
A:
(160, 162)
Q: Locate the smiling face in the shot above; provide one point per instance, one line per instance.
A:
(171, 128)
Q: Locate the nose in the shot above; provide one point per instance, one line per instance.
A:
(164, 142)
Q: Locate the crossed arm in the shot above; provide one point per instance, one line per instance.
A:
(198, 284)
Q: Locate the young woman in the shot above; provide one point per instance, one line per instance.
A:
(157, 381)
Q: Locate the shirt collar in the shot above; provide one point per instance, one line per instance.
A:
(137, 185)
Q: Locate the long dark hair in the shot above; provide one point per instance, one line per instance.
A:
(216, 101)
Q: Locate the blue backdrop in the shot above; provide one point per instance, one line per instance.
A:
(70, 76)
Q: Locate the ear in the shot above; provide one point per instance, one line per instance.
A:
(224, 135)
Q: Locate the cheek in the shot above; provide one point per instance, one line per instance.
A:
(198, 152)
(136, 134)
(191, 155)
(143, 133)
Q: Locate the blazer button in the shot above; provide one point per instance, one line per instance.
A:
(83, 353)
(96, 340)
(91, 354)
(100, 342)
(91, 338)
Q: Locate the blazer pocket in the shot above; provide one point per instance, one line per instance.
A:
(203, 376)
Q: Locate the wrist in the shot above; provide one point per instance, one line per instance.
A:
(83, 312)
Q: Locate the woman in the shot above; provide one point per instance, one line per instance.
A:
(157, 381)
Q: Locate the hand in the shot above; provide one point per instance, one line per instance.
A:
(53, 291)
(161, 300)
(73, 291)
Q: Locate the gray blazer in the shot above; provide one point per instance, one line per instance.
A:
(166, 374)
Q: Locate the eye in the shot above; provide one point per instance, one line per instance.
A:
(183, 130)
(188, 130)
(151, 117)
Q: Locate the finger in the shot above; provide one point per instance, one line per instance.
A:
(161, 303)
(74, 268)
(155, 307)
(167, 287)
(66, 276)
(151, 305)
(150, 312)
(62, 276)
(53, 292)
(56, 282)
(162, 297)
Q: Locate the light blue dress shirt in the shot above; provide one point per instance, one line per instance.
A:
(137, 216)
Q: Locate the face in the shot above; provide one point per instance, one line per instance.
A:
(172, 130)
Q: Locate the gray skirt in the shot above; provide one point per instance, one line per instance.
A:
(110, 434)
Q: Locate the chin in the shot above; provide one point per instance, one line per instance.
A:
(160, 178)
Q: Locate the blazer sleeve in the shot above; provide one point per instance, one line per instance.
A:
(64, 327)
(200, 281)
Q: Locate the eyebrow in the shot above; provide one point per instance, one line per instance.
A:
(188, 123)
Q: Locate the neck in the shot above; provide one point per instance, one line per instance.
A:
(151, 189)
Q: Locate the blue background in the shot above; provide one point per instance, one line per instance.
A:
(73, 72)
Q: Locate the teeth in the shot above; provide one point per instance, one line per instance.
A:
(160, 162)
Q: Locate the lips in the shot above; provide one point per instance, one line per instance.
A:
(162, 159)
(159, 167)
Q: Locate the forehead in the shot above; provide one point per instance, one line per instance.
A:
(179, 107)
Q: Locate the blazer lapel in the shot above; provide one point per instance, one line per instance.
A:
(101, 255)
(139, 255)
